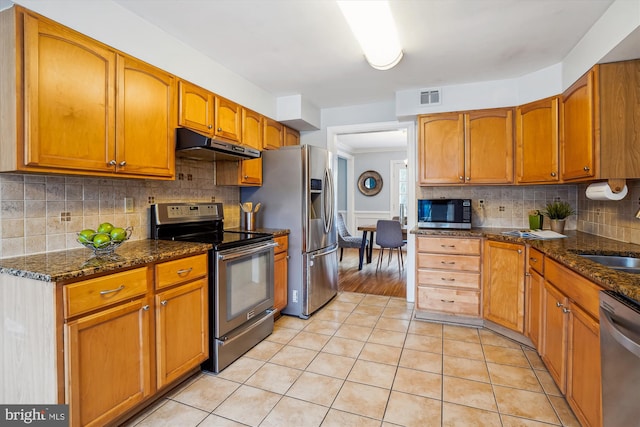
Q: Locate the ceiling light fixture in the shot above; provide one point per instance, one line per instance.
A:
(375, 30)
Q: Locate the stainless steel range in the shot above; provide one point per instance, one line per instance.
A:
(240, 276)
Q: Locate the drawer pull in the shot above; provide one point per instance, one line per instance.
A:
(164, 302)
(532, 259)
(447, 246)
(450, 301)
(110, 291)
(565, 310)
(145, 307)
(447, 262)
(447, 280)
(184, 271)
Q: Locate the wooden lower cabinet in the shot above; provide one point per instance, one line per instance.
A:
(534, 295)
(280, 272)
(181, 330)
(554, 333)
(503, 284)
(108, 362)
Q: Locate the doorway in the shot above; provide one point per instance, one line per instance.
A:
(354, 212)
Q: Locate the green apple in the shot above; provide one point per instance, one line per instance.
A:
(86, 236)
(101, 240)
(118, 234)
(105, 227)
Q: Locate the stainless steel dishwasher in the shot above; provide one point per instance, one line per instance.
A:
(620, 360)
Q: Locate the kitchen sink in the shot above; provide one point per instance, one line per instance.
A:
(620, 263)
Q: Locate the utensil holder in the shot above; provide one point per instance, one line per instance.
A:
(249, 221)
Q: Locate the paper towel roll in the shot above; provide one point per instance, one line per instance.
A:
(602, 191)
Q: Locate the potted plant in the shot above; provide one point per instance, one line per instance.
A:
(557, 212)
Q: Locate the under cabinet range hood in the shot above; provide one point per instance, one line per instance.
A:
(192, 145)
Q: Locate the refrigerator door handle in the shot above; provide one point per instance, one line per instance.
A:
(328, 200)
(321, 254)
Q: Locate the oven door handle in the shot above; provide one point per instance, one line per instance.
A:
(244, 252)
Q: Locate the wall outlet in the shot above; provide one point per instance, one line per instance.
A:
(294, 296)
(128, 205)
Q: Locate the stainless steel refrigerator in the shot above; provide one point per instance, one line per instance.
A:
(297, 193)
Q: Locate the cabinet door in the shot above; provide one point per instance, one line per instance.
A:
(489, 146)
(108, 363)
(181, 330)
(291, 137)
(228, 120)
(534, 295)
(273, 135)
(252, 123)
(69, 99)
(441, 149)
(537, 141)
(251, 172)
(503, 290)
(584, 382)
(196, 108)
(280, 268)
(554, 335)
(578, 121)
(146, 120)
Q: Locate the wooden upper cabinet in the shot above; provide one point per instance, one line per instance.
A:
(489, 146)
(228, 120)
(537, 137)
(195, 108)
(441, 149)
(579, 120)
(145, 120)
(474, 147)
(291, 137)
(252, 124)
(273, 134)
(69, 99)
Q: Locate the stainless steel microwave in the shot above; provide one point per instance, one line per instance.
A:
(444, 213)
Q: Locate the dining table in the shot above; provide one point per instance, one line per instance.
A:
(367, 250)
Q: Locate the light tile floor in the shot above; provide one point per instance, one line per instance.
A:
(363, 361)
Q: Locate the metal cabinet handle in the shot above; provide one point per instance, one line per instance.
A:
(184, 271)
(210, 127)
(450, 301)
(246, 176)
(558, 304)
(447, 262)
(110, 291)
(553, 174)
(145, 307)
(112, 163)
(565, 310)
(468, 178)
(164, 302)
(527, 274)
(122, 163)
(532, 259)
(447, 246)
(447, 280)
(219, 129)
(461, 178)
(519, 251)
(586, 168)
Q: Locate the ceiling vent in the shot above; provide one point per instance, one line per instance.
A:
(430, 96)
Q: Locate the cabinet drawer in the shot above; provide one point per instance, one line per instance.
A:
(536, 260)
(283, 244)
(578, 288)
(88, 295)
(452, 279)
(449, 262)
(449, 245)
(449, 301)
(181, 270)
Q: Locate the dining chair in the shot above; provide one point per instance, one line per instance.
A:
(389, 236)
(346, 240)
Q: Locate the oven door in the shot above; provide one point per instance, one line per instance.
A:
(243, 285)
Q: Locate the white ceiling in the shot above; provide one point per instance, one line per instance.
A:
(305, 47)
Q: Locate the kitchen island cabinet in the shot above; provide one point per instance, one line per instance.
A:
(101, 338)
(474, 147)
(73, 105)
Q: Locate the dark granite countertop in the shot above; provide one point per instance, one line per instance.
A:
(277, 232)
(566, 251)
(74, 263)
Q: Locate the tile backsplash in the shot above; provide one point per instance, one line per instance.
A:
(40, 213)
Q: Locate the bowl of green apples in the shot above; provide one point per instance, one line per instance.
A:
(105, 239)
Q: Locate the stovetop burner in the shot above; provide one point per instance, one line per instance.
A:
(198, 222)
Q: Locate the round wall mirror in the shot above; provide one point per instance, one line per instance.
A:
(370, 183)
